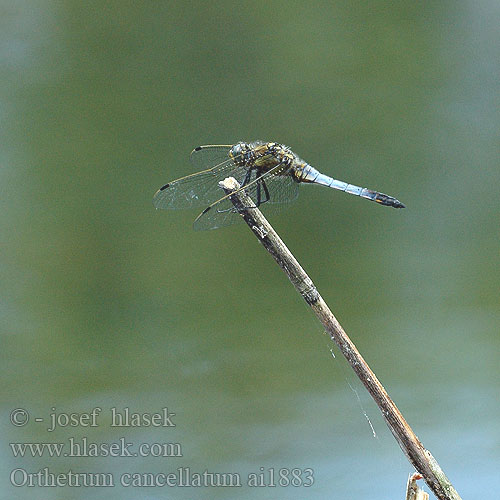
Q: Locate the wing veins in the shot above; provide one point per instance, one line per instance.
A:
(171, 193)
(249, 185)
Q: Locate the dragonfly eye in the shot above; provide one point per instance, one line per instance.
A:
(237, 151)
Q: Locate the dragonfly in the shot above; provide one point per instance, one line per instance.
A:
(270, 173)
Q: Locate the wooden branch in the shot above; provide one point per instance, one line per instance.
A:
(413, 492)
(419, 457)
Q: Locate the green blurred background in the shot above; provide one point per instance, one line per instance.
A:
(107, 302)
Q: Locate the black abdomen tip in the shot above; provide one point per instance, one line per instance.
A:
(164, 187)
(388, 201)
(394, 203)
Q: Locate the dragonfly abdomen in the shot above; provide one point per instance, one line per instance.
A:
(310, 174)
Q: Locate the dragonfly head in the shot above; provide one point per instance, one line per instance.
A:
(238, 152)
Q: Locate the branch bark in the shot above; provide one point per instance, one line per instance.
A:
(418, 456)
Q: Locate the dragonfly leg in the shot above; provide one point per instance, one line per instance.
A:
(261, 186)
(266, 192)
(268, 196)
(246, 180)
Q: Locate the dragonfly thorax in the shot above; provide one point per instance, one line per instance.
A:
(262, 155)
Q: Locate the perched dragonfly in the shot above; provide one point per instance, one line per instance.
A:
(270, 173)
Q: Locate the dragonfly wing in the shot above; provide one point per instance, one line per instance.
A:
(281, 188)
(219, 214)
(204, 157)
(199, 189)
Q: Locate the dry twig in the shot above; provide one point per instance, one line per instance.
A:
(419, 457)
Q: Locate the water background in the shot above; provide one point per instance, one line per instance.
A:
(109, 303)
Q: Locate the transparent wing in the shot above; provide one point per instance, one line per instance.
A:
(199, 189)
(282, 189)
(280, 186)
(204, 157)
